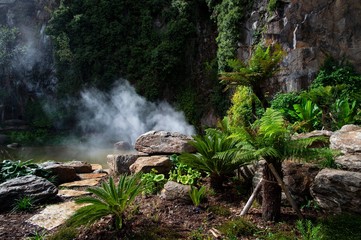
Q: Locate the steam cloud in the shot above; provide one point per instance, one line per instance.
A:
(124, 115)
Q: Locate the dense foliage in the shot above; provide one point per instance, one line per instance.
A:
(151, 43)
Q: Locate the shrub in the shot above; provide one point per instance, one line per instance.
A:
(182, 173)
(152, 182)
(12, 169)
(309, 231)
(207, 159)
(109, 199)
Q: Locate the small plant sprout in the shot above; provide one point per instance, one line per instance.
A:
(197, 196)
(24, 204)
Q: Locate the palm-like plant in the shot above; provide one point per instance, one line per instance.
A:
(270, 139)
(206, 159)
(109, 199)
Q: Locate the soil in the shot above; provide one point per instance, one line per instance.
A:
(155, 218)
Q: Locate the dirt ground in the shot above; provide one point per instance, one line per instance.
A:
(155, 218)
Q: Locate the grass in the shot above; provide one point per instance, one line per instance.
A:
(24, 204)
(219, 210)
(64, 233)
(237, 227)
(341, 227)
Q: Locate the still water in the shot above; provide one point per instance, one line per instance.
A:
(58, 154)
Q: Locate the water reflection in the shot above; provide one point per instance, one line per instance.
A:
(59, 154)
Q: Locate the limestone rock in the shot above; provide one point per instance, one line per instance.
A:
(37, 188)
(161, 142)
(54, 215)
(173, 191)
(68, 193)
(79, 166)
(119, 164)
(349, 162)
(338, 191)
(62, 173)
(82, 183)
(145, 164)
(347, 139)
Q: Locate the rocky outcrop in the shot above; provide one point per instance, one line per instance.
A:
(162, 142)
(349, 162)
(338, 191)
(316, 133)
(61, 172)
(347, 139)
(309, 31)
(145, 164)
(37, 188)
(123, 146)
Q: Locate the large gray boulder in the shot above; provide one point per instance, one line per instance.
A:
(347, 139)
(316, 133)
(37, 188)
(79, 166)
(145, 164)
(162, 142)
(120, 163)
(338, 191)
(349, 162)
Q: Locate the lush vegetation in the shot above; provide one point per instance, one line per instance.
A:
(109, 199)
(10, 169)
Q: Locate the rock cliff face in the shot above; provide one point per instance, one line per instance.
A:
(309, 31)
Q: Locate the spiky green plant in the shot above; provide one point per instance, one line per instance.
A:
(206, 159)
(24, 204)
(197, 195)
(308, 230)
(109, 199)
(270, 138)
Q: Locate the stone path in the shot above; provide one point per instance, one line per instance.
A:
(55, 215)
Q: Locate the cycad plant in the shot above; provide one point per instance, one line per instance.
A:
(270, 139)
(197, 195)
(109, 199)
(206, 159)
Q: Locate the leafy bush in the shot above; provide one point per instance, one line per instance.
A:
(152, 182)
(308, 114)
(182, 173)
(109, 199)
(207, 160)
(284, 103)
(12, 169)
(272, 5)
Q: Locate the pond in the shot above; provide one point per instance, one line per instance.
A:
(59, 154)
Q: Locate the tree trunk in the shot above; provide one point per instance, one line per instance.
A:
(271, 198)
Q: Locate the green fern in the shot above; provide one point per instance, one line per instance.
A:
(109, 199)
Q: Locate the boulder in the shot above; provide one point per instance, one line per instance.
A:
(37, 188)
(119, 164)
(123, 146)
(299, 177)
(62, 173)
(349, 162)
(174, 191)
(79, 166)
(161, 142)
(347, 139)
(317, 133)
(145, 164)
(338, 191)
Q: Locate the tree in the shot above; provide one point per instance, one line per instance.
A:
(270, 138)
(262, 65)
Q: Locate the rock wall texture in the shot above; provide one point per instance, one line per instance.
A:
(309, 31)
